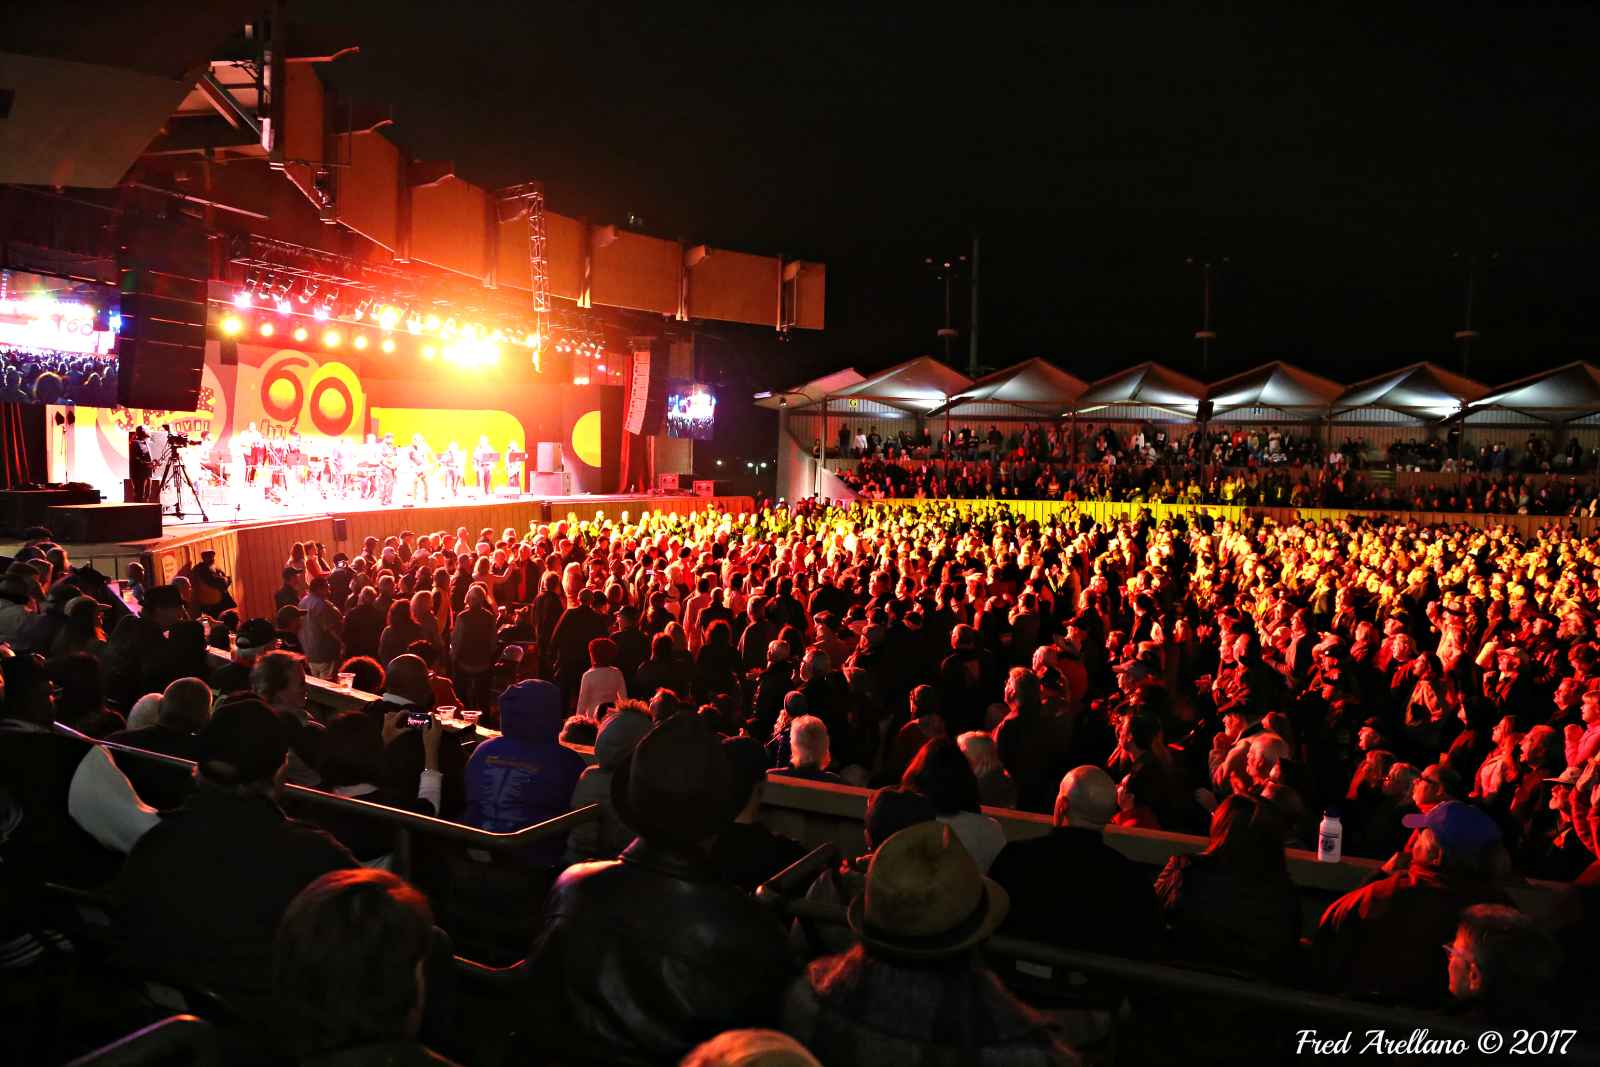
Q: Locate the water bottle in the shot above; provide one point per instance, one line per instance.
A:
(1330, 838)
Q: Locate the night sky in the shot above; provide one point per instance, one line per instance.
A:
(1344, 165)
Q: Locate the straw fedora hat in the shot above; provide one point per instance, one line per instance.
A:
(925, 898)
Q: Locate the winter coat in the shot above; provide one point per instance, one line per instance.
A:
(525, 775)
(608, 835)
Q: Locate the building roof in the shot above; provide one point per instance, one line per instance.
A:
(1420, 389)
(1033, 388)
(1556, 395)
(811, 392)
(1148, 385)
(921, 384)
(1277, 385)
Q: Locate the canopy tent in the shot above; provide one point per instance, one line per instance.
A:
(1143, 391)
(917, 386)
(810, 393)
(1275, 388)
(1033, 389)
(1564, 394)
(1420, 392)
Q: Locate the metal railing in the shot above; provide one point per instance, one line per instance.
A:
(1328, 1012)
(404, 822)
(157, 1043)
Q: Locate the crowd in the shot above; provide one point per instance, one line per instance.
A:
(1435, 688)
(1328, 486)
(46, 376)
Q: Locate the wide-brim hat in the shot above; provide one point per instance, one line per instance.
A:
(925, 898)
(677, 785)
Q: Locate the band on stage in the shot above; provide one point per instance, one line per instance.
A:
(287, 468)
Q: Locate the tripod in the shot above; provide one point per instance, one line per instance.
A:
(176, 475)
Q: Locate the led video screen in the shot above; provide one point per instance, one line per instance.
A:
(58, 341)
(691, 410)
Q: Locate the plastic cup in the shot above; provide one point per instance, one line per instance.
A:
(447, 712)
(471, 717)
(347, 680)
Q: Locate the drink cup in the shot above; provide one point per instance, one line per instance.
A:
(347, 680)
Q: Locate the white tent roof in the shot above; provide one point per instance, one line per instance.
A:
(1557, 395)
(1278, 385)
(1035, 388)
(810, 393)
(1420, 389)
(1147, 385)
(920, 384)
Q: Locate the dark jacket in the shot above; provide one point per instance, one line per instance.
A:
(643, 957)
(1070, 888)
(472, 644)
(525, 775)
(160, 785)
(363, 629)
(857, 1009)
(201, 894)
(384, 1054)
(574, 630)
(1222, 915)
(747, 854)
(1383, 938)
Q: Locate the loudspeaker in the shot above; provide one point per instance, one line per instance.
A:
(341, 529)
(1204, 412)
(161, 349)
(548, 483)
(548, 457)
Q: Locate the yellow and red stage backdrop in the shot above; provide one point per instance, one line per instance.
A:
(284, 390)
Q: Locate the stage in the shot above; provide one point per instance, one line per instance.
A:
(253, 550)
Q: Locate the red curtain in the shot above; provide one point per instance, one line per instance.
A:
(21, 444)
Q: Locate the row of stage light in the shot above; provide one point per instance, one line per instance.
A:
(465, 348)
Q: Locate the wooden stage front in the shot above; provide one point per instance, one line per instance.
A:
(253, 552)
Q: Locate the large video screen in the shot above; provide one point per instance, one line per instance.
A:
(691, 410)
(58, 342)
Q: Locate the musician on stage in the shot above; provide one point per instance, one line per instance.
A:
(451, 461)
(419, 458)
(253, 448)
(483, 458)
(371, 459)
(388, 469)
(141, 465)
(516, 463)
(342, 465)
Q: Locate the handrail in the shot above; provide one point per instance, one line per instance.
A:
(155, 1043)
(1328, 1010)
(798, 875)
(397, 817)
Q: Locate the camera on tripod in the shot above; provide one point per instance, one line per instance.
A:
(176, 439)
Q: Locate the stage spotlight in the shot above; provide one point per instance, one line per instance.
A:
(267, 329)
(361, 309)
(360, 341)
(491, 354)
(431, 323)
(389, 317)
(414, 325)
(320, 313)
(241, 299)
(428, 352)
(306, 293)
(300, 333)
(331, 339)
(231, 325)
(388, 344)
(600, 368)
(449, 328)
(329, 300)
(283, 306)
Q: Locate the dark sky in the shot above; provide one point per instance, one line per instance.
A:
(1340, 163)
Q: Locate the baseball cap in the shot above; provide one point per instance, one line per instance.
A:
(288, 616)
(244, 741)
(256, 635)
(1567, 777)
(1460, 827)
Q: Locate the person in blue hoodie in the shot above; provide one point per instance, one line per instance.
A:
(525, 775)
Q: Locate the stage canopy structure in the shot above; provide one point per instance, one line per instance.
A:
(1034, 390)
(1568, 394)
(915, 387)
(1415, 394)
(1273, 391)
(1146, 392)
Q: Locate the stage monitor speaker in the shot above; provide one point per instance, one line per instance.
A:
(341, 529)
(105, 523)
(548, 457)
(667, 483)
(548, 483)
(161, 349)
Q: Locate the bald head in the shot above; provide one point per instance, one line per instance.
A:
(186, 705)
(1088, 798)
(407, 677)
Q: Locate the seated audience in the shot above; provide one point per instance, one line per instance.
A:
(942, 774)
(915, 987)
(604, 837)
(599, 991)
(184, 709)
(525, 775)
(747, 853)
(809, 753)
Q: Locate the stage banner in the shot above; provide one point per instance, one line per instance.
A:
(639, 387)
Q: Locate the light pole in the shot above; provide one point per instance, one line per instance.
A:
(1466, 335)
(1205, 334)
(944, 270)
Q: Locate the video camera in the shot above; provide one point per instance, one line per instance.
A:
(175, 439)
